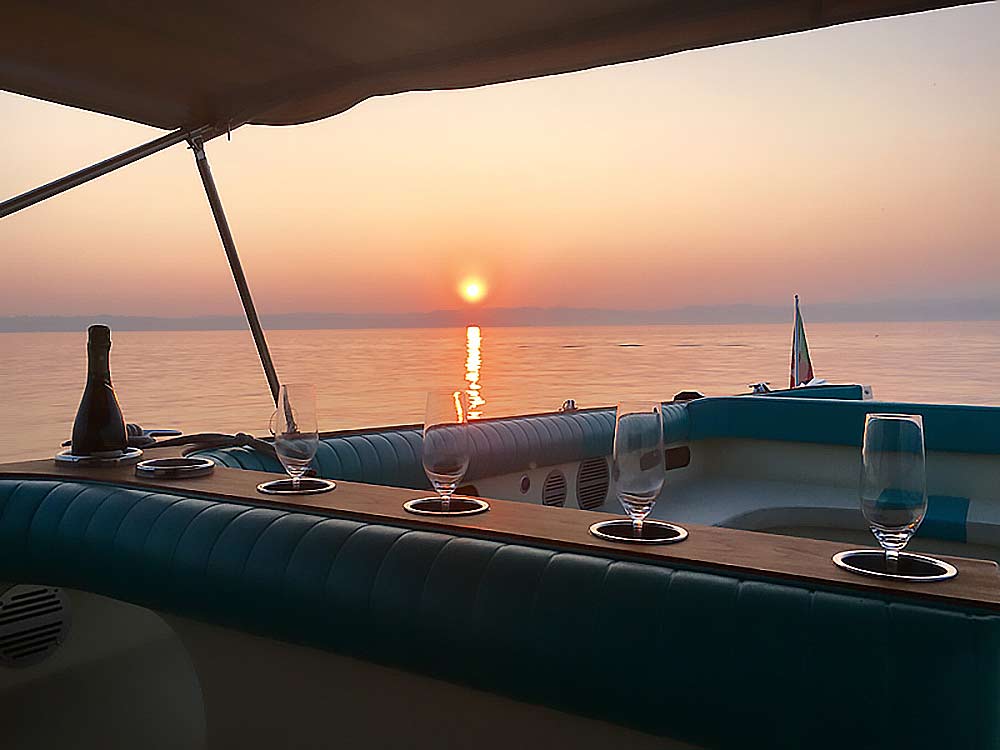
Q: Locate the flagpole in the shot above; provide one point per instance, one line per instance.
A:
(795, 344)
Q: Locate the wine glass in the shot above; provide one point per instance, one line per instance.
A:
(295, 430)
(446, 448)
(893, 486)
(637, 459)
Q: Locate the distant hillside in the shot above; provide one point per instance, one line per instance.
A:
(933, 310)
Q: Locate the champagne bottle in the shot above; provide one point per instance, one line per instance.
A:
(99, 429)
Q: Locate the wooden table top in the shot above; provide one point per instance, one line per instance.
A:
(707, 547)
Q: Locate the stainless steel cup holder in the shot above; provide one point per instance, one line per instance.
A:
(909, 567)
(653, 532)
(128, 456)
(305, 486)
(458, 505)
(175, 468)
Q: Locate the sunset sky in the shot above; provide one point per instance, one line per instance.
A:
(856, 163)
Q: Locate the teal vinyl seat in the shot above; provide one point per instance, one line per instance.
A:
(724, 661)
(947, 427)
(499, 446)
(391, 456)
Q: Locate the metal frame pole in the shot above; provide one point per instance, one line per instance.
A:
(201, 160)
(94, 171)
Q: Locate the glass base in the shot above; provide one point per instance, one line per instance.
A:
(652, 532)
(910, 567)
(306, 486)
(458, 505)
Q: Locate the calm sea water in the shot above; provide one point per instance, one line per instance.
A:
(211, 380)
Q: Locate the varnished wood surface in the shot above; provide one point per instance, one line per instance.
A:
(710, 547)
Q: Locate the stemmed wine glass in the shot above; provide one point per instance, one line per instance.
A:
(637, 459)
(638, 470)
(893, 482)
(295, 429)
(447, 449)
(296, 439)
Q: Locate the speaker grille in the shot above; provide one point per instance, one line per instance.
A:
(554, 489)
(34, 620)
(592, 481)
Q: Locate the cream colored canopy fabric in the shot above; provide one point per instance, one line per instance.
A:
(186, 63)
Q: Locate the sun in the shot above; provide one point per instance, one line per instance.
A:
(472, 290)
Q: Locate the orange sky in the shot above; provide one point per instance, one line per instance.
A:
(855, 163)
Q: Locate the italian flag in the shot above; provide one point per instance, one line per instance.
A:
(802, 369)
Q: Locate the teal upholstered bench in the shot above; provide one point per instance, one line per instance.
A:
(499, 446)
(391, 456)
(947, 427)
(719, 660)
(502, 446)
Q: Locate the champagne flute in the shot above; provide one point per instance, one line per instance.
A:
(295, 430)
(446, 448)
(893, 485)
(637, 460)
(638, 470)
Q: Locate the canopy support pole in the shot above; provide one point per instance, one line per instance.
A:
(201, 160)
(94, 171)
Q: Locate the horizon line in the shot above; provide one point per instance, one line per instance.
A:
(925, 311)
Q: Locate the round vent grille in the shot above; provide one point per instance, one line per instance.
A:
(592, 480)
(34, 620)
(554, 489)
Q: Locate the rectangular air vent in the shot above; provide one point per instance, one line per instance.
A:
(554, 489)
(592, 482)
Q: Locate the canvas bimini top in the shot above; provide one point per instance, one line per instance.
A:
(187, 64)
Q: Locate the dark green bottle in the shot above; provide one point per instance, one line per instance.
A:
(99, 429)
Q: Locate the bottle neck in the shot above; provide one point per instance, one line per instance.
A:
(98, 362)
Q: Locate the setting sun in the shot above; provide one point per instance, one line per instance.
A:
(472, 290)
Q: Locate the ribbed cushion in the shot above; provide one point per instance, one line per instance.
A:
(676, 423)
(503, 446)
(499, 446)
(717, 660)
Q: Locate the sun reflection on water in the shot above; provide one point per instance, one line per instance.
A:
(473, 364)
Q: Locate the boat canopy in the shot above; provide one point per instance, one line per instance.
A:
(190, 63)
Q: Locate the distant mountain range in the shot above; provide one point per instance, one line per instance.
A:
(933, 310)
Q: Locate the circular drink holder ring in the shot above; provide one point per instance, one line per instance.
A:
(653, 532)
(305, 486)
(174, 468)
(131, 455)
(458, 505)
(910, 567)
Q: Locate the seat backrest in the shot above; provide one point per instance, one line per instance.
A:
(947, 427)
(716, 659)
(499, 446)
(392, 456)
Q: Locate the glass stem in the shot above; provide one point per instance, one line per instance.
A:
(295, 482)
(445, 491)
(637, 528)
(892, 560)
